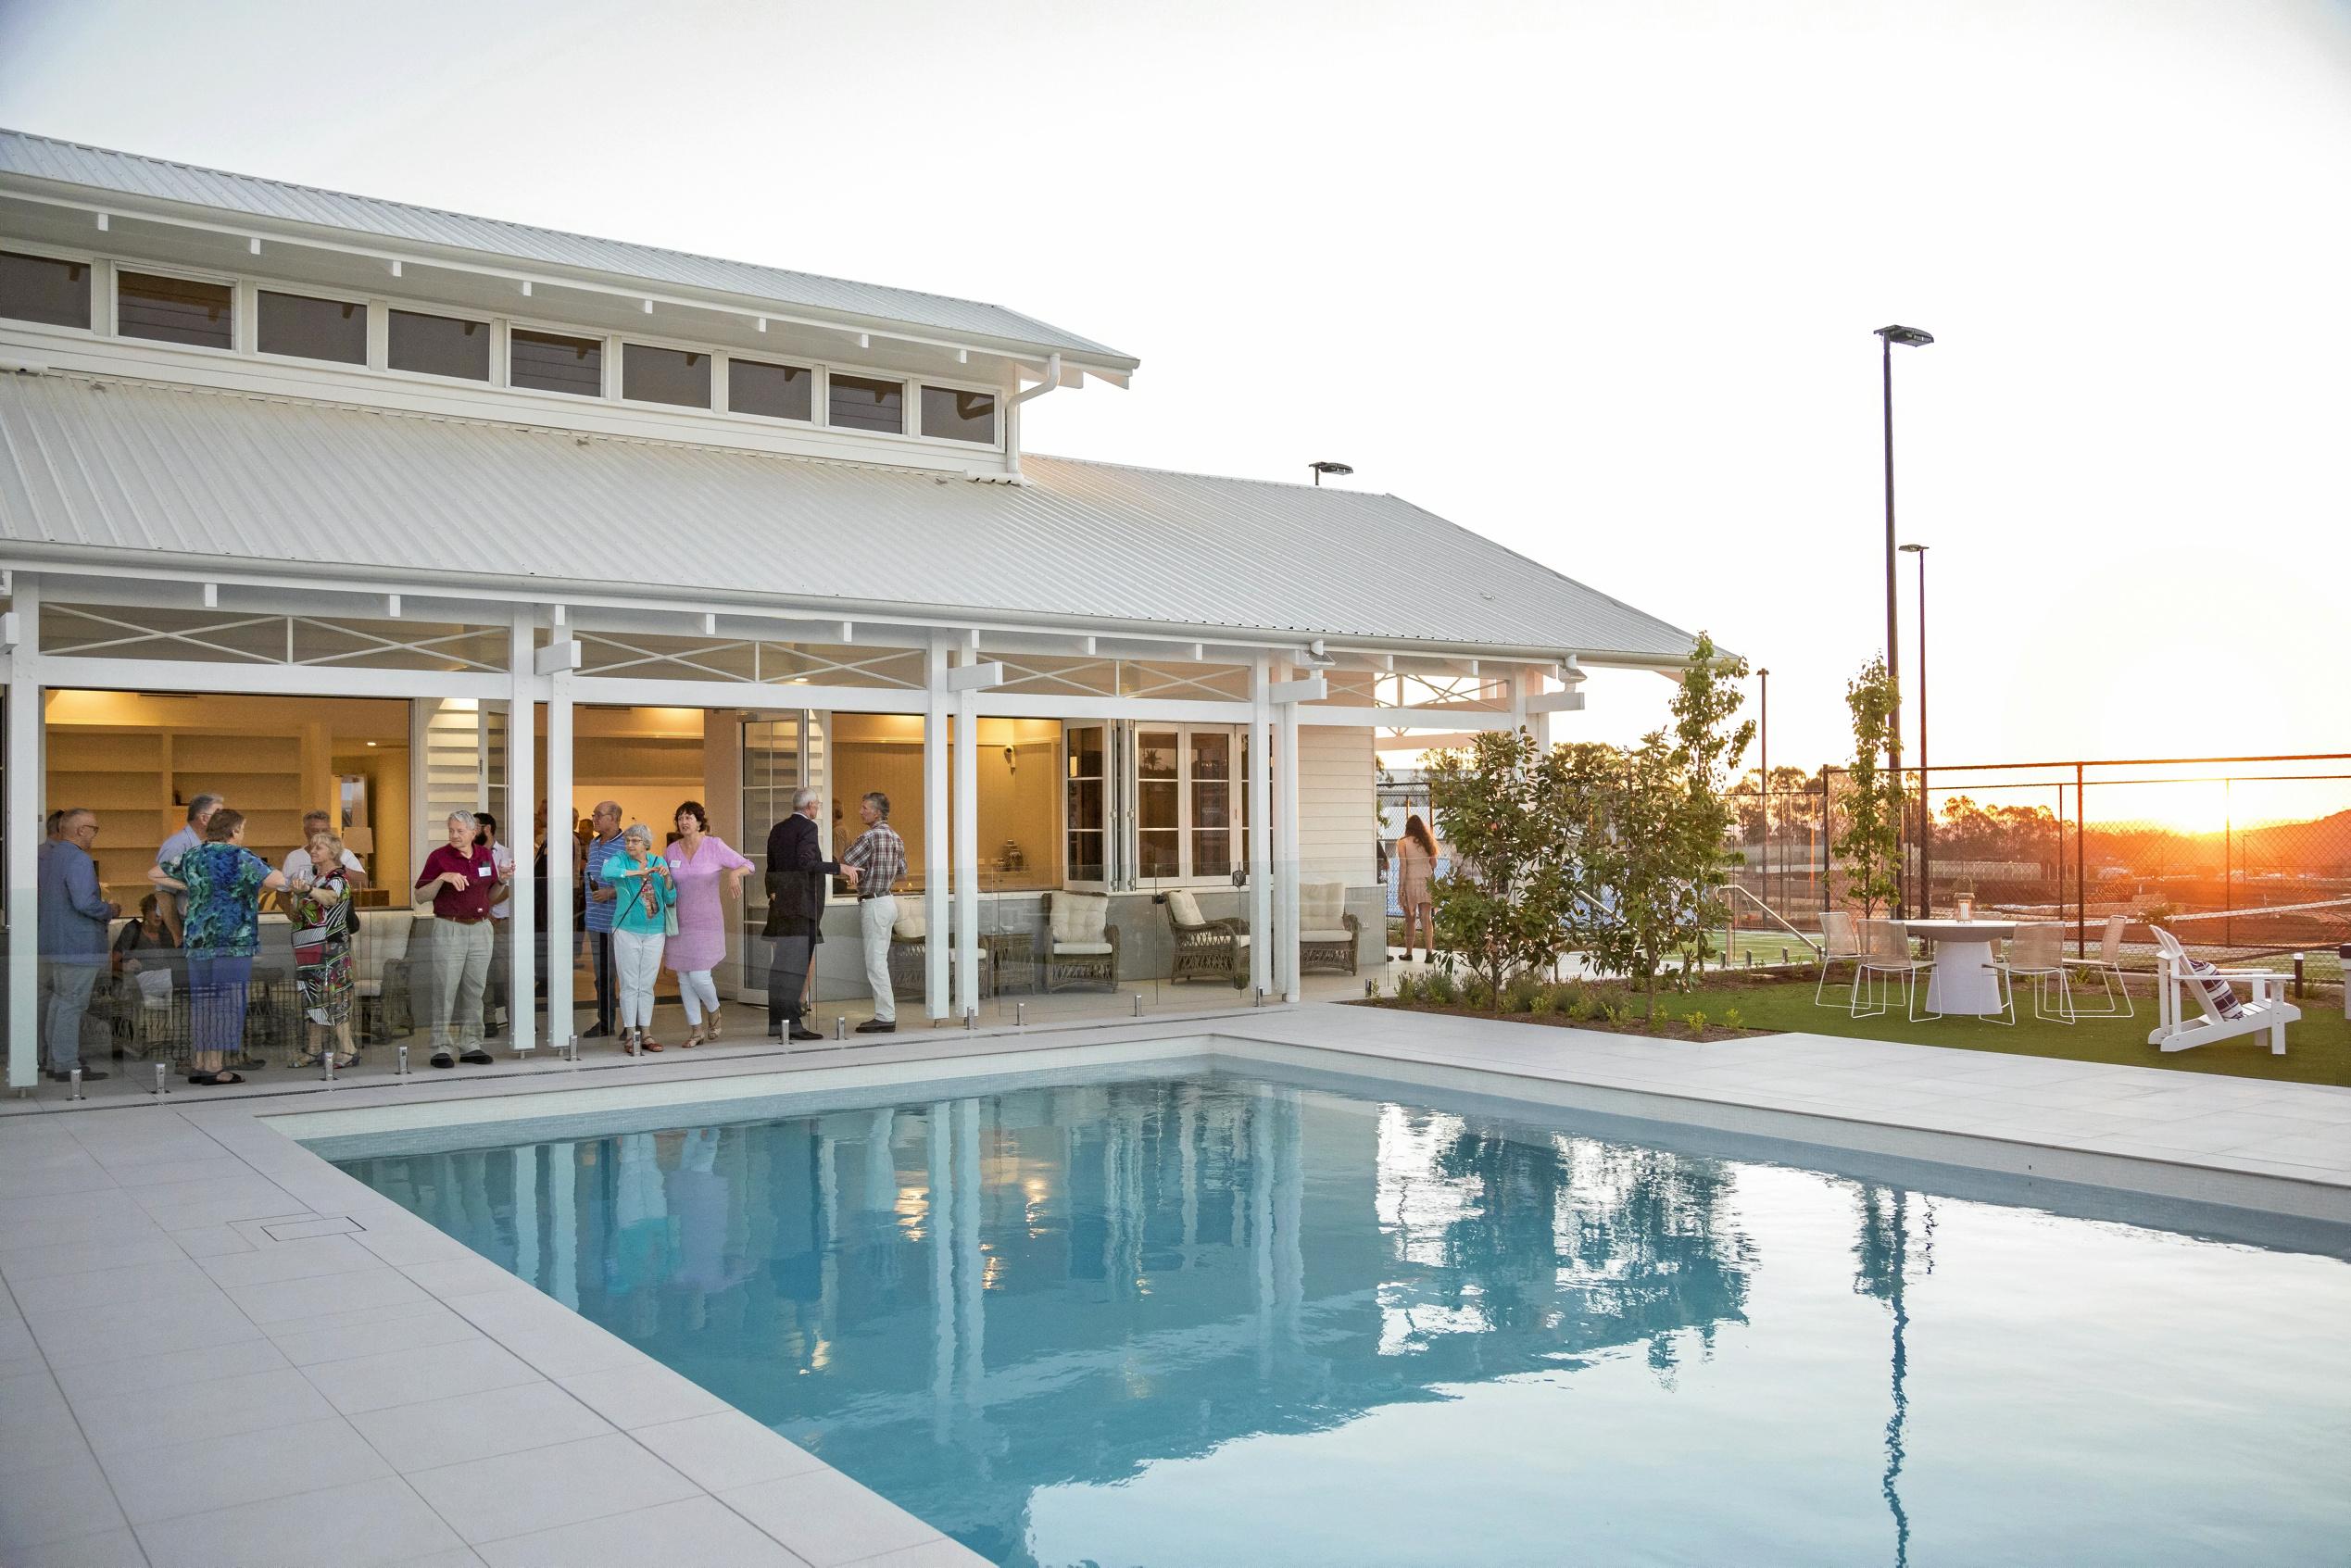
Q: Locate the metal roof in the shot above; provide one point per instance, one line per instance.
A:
(104, 472)
(101, 169)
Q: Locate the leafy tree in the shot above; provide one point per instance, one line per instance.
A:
(1503, 808)
(1871, 845)
(1705, 748)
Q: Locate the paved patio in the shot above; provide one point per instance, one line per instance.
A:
(217, 1349)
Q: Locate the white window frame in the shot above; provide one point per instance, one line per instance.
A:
(909, 410)
(995, 444)
(99, 281)
(608, 384)
(240, 307)
(1122, 806)
(339, 296)
(723, 378)
(426, 378)
(639, 340)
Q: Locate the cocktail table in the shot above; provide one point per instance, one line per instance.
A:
(1961, 981)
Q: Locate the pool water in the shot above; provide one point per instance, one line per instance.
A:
(1207, 1320)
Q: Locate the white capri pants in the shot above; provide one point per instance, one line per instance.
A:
(637, 958)
(698, 992)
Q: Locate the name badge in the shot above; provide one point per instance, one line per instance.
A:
(484, 870)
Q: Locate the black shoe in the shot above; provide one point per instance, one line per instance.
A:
(443, 1059)
(875, 1026)
(598, 1033)
(799, 1033)
(478, 1056)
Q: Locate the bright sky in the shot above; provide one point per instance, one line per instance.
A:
(1596, 280)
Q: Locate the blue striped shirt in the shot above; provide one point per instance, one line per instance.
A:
(599, 915)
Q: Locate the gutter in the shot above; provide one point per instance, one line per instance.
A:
(1012, 443)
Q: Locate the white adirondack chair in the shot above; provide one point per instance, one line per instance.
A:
(2265, 1009)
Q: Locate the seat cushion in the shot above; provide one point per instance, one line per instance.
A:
(1081, 949)
(1321, 903)
(913, 923)
(1327, 933)
(1184, 907)
(1079, 917)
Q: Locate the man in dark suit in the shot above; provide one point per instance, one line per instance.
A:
(795, 872)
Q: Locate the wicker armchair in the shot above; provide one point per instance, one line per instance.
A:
(1206, 950)
(1081, 945)
(1329, 937)
(910, 951)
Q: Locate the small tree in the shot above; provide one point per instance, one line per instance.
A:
(1706, 751)
(1501, 807)
(1871, 845)
(1627, 918)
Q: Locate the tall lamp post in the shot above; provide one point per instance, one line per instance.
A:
(1335, 469)
(1765, 676)
(1926, 817)
(1909, 337)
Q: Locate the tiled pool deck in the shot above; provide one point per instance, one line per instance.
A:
(217, 1350)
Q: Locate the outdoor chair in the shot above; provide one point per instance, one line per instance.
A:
(1885, 955)
(2036, 954)
(380, 971)
(2223, 1015)
(1327, 933)
(1840, 943)
(2107, 966)
(1081, 945)
(910, 951)
(1206, 950)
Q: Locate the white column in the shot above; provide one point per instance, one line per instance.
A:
(24, 785)
(522, 730)
(1260, 812)
(1285, 868)
(939, 1215)
(560, 1024)
(936, 1000)
(966, 853)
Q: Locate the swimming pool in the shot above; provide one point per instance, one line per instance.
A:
(1194, 1317)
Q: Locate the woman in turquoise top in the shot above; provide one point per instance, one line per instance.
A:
(646, 894)
(224, 882)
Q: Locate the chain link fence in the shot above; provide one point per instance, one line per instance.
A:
(2243, 859)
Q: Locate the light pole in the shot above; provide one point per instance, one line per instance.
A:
(1926, 817)
(1765, 676)
(1333, 469)
(1909, 337)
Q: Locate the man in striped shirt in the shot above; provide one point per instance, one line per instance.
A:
(878, 859)
(600, 906)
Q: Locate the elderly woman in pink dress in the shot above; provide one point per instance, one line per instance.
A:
(697, 863)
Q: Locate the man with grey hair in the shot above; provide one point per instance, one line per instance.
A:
(200, 809)
(601, 905)
(461, 882)
(795, 872)
(879, 860)
(73, 917)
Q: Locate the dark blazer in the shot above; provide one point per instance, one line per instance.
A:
(795, 872)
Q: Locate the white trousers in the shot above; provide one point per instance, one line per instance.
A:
(698, 992)
(874, 918)
(636, 963)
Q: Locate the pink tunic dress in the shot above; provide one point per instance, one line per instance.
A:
(700, 942)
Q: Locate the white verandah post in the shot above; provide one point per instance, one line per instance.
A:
(24, 779)
(522, 743)
(561, 845)
(936, 924)
(1291, 841)
(966, 795)
(1261, 808)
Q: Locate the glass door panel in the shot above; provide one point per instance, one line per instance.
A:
(1159, 813)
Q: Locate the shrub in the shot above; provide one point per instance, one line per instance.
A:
(1441, 988)
(1730, 1019)
(1695, 1022)
(1520, 993)
(1540, 1004)
(1479, 994)
(1408, 988)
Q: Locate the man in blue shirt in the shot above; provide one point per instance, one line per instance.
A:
(200, 811)
(74, 914)
(606, 820)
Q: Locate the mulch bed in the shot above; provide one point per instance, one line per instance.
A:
(1667, 1026)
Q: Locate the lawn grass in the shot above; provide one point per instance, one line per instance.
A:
(2317, 1048)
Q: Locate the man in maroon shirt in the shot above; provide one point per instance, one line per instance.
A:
(461, 882)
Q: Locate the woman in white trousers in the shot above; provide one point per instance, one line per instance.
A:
(640, 929)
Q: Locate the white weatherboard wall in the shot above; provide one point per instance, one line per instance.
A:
(458, 756)
(1338, 817)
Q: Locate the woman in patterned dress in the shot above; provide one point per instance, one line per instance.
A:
(322, 954)
(223, 881)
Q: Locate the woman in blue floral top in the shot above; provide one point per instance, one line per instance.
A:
(223, 881)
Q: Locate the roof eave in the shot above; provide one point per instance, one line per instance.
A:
(355, 242)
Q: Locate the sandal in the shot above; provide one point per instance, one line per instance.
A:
(343, 1062)
(645, 1045)
(712, 1032)
(219, 1080)
(690, 1041)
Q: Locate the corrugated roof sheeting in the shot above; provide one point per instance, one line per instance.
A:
(101, 169)
(261, 483)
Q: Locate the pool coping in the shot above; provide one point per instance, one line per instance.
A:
(199, 1211)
